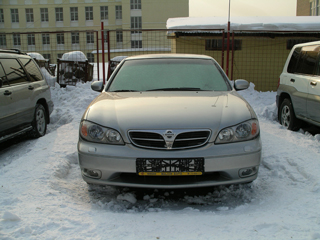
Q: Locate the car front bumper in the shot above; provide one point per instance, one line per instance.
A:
(117, 164)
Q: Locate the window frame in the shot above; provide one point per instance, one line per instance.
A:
(75, 38)
(135, 4)
(59, 14)
(89, 37)
(45, 39)
(74, 15)
(118, 12)
(89, 13)
(14, 15)
(31, 39)
(16, 39)
(29, 15)
(60, 38)
(104, 13)
(44, 14)
(1, 16)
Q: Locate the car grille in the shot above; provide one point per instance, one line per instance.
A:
(156, 140)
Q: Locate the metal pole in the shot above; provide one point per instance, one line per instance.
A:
(108, 41)
(103, 61)
(98, 67)
(228, 41)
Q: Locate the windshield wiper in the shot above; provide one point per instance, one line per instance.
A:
(176, 89)
(124, 91)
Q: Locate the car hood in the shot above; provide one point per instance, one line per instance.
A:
(168, 110)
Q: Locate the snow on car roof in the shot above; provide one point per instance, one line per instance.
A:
(295, 23)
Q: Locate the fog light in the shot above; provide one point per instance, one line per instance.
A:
(91, 173)
(247, 172)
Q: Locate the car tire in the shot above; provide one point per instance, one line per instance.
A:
(287, 117)
(39, 122)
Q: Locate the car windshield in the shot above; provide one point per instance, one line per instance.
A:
(169, 75)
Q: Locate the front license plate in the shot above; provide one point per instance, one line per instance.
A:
(170, 167)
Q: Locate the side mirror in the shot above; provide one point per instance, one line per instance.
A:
(241, 84)
(97, 86)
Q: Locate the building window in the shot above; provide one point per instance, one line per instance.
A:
(119, 35)
(90, 57)
(31, 39)
(118, 12)
(45, 39)
(75, 38)
(14, 15)
(16, 40)
(136, 44)
(3, 41)
(216, 44)
(60, 38)
(135, 4)
(74, 13)
(1, 16)
(105, 36)
(104, 12)
(90, 37)
(44, 14)
(315, 7)
(59, 14)
(29, 15)
(89, 13)
(136, 23)
(59, 55)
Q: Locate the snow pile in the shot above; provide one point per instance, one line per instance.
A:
(44, 197)
(308, 23)
(51, 80)
(76, 56)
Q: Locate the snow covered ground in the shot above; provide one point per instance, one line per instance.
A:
(42, 194)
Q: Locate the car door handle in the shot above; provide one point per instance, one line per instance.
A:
(292, 80)
(30, 88)
(7, 93)
(313, 83)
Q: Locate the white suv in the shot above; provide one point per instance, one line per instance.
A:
(25, 98)
(298, 95)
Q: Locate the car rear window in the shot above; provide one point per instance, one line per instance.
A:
(304, 60)
(32, 69)
(153, 74)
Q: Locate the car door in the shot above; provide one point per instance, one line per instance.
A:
(17, 108)
(35, 88)
(313, 103)
(7, 118)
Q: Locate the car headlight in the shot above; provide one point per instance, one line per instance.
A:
(95, 133)
(242, 132)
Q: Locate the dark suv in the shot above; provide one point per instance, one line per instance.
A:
(298, 95)
(25, 98)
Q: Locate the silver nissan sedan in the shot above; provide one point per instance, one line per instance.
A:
(169, 121)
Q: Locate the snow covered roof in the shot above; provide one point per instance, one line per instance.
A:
(300, 23)
(37, 56)
(74, 56)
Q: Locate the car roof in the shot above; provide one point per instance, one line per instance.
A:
(12, 53)
(307, 44)
(172, 56)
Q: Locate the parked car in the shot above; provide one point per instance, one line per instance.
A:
(298, 94)
(25, 98)
(169, 121)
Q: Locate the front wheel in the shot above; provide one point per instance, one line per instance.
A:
(39, 123)
(287, 116)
